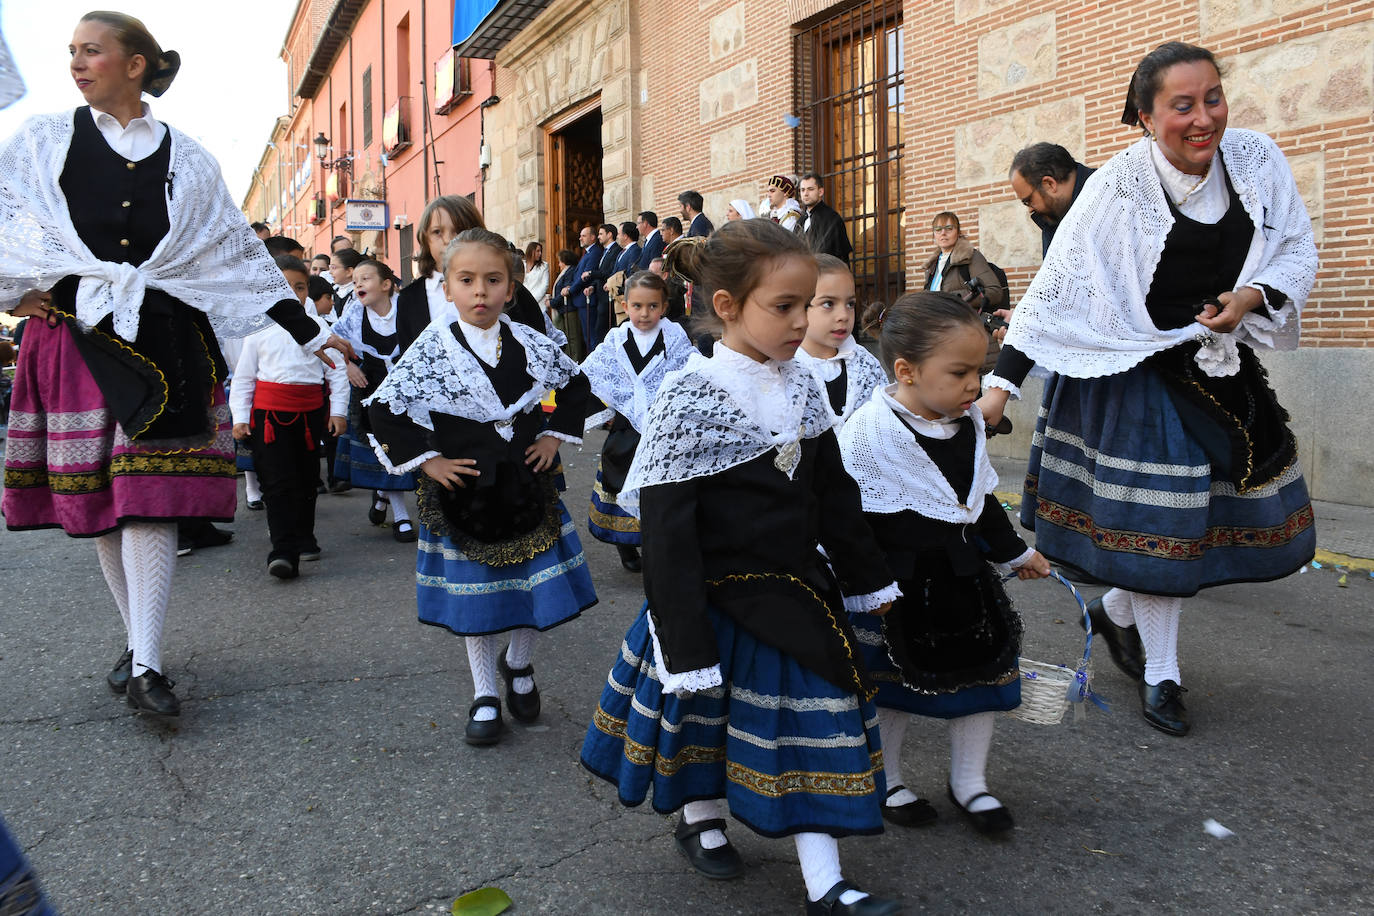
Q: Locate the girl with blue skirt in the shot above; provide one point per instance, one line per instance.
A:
(948, 649)
(369, 324)
(498, 552)
(739, 687)
(1162, 463)
(625, 372)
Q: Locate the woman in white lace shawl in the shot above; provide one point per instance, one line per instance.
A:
(118, 236)
(1162, 461)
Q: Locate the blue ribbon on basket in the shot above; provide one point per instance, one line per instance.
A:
(1080, 688)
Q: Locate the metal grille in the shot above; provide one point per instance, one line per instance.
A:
(848, 74)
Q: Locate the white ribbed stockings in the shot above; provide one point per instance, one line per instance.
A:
(819, 856)
(969, 740)
(482, 654)
(519, 654)
(137, 561)
(695, 812)
(892, 725)
(1156, 617)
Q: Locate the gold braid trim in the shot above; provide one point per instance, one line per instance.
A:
(829, 614)
(1243, 484)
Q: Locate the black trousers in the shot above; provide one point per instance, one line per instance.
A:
(288, 468)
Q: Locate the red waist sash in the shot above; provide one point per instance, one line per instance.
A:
(271, 397)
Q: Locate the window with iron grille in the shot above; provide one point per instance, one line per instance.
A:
(848, 75)
(367, 108)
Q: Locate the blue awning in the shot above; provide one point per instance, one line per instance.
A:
(483, 27)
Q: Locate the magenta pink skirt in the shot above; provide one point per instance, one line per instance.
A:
(69, 465)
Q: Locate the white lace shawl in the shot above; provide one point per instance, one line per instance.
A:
(894, 474)
(438, 374)
(1084, 315)
(706, 419)
(350, 328)
(209, 259)
(613, 379)
(863, 374)
(11, 86)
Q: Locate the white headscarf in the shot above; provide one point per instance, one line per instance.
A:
(743, 208)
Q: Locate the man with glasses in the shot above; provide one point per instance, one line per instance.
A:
(1046, 179)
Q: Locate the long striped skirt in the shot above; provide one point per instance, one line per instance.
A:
(1118, 488)
(470, 598)
(69, 465)
(789, 751)
(607, 521)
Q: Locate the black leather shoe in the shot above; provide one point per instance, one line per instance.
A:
(404, 531)
(255, 505)
(484, 733)
(283, 568)
(629, 558)
(1123, 643)
(995, 822)
(919, 813)
(377, 515)
(1162, 704)
(524, 706)
(152, 692)
(721, 863)
(119, 675)
(830, 905)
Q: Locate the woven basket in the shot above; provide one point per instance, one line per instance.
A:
(1048, 690)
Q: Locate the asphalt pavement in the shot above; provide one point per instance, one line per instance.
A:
(319, 766)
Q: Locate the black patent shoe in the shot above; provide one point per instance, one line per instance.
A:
(1162, 704)
(830, 905)
(994, 822)
(482, 734)
(721, 863)
(119, 675)
(152, 692)
(1123, 643)
(376, 512)
(524, 706)
(919, 813)
(629, 558)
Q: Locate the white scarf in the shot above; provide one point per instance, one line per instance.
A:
(438, 374)
(895, 474)
(11, 86)
(209, 259)
(1084, 315)
(713, 414)
(863, 373)
(350, 328)
(615, 382)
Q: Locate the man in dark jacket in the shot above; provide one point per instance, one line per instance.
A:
(697, 223)
(1047, 180)
(651, 239)
(596, 278)
(822, 227)
(584, 292)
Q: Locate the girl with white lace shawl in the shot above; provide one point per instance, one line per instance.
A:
(845, 371)
(1162, 463)
(949, 647)
(739, 685)
(120, 426)
(625, 372)
(369, 322)
(498, 552)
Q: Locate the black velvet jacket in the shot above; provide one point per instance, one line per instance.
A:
(744, 541)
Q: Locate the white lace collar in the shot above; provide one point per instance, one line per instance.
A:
(756, 386)
(485, 342)
(895, 474)
(865, 373)
(1205, 202)
(943, 428)
(613, 378)
(644, 340)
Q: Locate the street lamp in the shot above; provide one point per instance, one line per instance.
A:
(321, 147)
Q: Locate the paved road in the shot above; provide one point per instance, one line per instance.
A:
(319, 767)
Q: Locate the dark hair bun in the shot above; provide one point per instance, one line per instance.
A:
(167, 67)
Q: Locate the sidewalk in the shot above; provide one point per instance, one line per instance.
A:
(1345, 534)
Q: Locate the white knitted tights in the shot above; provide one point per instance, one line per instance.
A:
(1156, 617)
(137, 561)
(482, 654)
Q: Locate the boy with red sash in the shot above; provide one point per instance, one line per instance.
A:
(278, 402)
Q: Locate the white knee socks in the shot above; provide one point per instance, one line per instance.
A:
(519, 654)
(1117, 604)
(252, 490)
(709, 809)
(107, 550)
(148, 551)
(1157, 619)
(397, 499)
(969, 740)
(819, 856)
(892, 727)
(482, 651)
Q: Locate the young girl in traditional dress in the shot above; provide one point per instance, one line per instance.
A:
(625, 372)
(739, 687)
(498, 552)
(949, 647)
(846, 372)
(369, 323)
